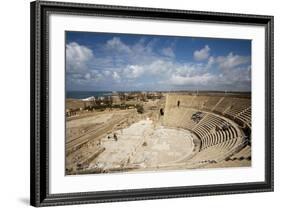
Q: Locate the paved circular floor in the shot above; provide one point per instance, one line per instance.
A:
(144, 145)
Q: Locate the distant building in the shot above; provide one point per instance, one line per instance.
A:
(115, 99)
(92, 98)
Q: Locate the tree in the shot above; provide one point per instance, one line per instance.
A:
(140, 109)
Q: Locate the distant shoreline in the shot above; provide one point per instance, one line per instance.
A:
(80, 95)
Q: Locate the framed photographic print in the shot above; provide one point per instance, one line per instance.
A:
(131, 103)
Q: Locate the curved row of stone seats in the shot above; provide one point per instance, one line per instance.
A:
(245, 116)
(213, 130)
(222, 155)
(238, 159)
(186, 122)
(231, 107)
(211, 102)
(220, 136)
(212, 154)
(222, 105)
(219, 104)
(180, 117)
(237, 105)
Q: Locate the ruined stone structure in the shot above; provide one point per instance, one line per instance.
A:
(178, 131)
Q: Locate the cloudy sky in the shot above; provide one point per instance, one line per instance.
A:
(125, 62)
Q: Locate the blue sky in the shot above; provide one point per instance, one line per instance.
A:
(128, 62)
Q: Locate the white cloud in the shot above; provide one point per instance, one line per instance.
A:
(77, 57)
(198, 80)
(116, 76)
(230, 61)
(117, 45)
(106, 73)
(159, 67)
(88, 76)
(133, 71)
(211, 62)
(168, 52)
(202, 54)
(128, 66)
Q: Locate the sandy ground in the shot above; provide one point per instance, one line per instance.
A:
(85, 125)
(144, 145)
(89, 120)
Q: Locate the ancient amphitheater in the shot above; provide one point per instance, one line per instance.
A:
(179, 131)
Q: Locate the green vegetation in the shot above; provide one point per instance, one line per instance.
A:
(106, 106)
(139, 109)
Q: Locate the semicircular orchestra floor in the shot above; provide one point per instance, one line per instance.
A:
(144, 145)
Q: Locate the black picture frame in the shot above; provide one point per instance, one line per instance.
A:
(39, 87)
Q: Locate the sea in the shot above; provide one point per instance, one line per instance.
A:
(87, 94)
